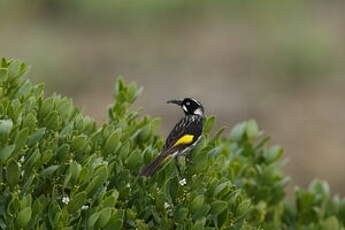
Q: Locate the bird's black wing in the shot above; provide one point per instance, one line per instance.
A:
(190, 125)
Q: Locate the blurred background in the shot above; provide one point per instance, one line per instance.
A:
(279, 62)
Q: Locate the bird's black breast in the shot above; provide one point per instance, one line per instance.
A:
(190, 124)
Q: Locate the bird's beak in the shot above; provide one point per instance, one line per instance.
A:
(177, 102)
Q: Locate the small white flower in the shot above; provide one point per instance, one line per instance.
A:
(99, 161)
(65, 199)
(128, 185)
(166, 205)
(19, 164)
(22, 159)
(84, 207)
(183, 182)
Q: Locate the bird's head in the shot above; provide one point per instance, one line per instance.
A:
(190, 106)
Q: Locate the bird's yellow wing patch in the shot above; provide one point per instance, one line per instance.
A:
(186, 139)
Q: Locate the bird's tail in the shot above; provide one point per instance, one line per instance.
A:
(149, 170)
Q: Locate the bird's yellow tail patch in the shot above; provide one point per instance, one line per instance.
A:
(186, 139)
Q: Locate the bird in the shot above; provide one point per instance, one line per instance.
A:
(183, 137)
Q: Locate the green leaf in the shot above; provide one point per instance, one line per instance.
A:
(30, 121)
(197, 203)
(137, 93)
(92, 220)
(133, 92)
(24, 217)
(244, 208)
(112, 141)
(125, 150)
(75, 170)
(36, 209)
(252, 129)
(209, 124)
(63, 152)
(238, 131)
(3, 74)
(320, 187)
(54, 213)
(79, 143)
(134, 160)
(181, 214)
(5, 126)
(145, 134)
(110, 201)
(13, 172)
(16, 69)
(331, 223)
(24, 89)
(218, 207)
(119, 86)
(65, 108)
(4, 62)
(46, 107)
(6, 152)
(218, 134)
(53, 121)
(199, 224)
(116, 221)
(46, 156)
(36, 136)
(77, 202)
(100, 177)
(50, 170)
(273, 153)
(32, 160)
(26, 201)
(104, 216)
(21, 138)
(201, 212)
(94, 185)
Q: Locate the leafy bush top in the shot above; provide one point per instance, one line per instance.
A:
(59, 170)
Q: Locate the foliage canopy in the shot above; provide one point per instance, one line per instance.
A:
(59, 170)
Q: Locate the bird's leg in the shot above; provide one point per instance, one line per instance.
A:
(178, 166)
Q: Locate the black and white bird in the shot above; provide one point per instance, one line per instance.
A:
(183, 136)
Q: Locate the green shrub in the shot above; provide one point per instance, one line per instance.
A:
(59, 170)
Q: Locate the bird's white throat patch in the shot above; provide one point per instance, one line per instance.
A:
(198, 111)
